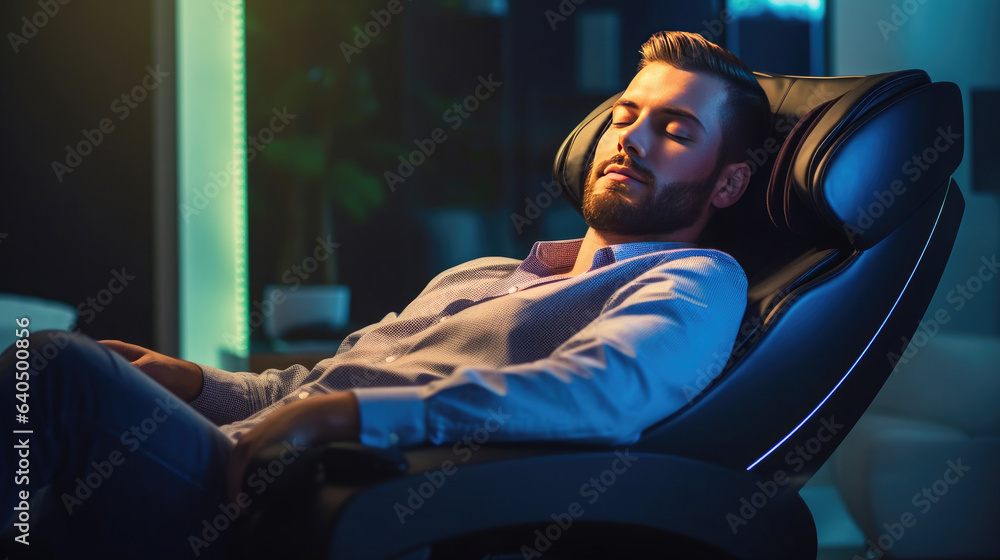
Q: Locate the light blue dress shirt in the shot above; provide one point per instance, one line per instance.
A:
(508, 350)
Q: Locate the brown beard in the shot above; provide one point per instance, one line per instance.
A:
(664, 209)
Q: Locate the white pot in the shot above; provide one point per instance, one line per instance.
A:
(314, 308)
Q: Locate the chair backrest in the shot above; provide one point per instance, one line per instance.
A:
(844, 231)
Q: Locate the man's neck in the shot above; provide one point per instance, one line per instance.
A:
(595, 240)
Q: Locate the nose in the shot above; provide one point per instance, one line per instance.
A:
(632, 140)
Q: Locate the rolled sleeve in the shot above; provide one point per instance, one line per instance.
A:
(227, 396)
(392, 416)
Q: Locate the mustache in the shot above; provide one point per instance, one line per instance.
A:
(625, 161)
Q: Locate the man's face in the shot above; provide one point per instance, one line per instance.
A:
(656, 167)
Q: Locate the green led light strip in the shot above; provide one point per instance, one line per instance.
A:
(241, 345)
(211, 156)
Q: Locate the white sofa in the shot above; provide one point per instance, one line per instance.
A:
(43, 315)
(920, 472)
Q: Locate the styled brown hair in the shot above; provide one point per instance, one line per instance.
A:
(747, 111)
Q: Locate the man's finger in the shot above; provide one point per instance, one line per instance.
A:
(130, 352)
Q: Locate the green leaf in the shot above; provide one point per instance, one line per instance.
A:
(355, 190)
(305, 157)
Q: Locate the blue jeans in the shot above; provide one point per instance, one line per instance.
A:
(116, 466)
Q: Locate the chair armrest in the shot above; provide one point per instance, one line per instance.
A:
(510, 492)
(346, 462)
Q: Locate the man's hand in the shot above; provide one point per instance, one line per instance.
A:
(313, 420)
(180, 377)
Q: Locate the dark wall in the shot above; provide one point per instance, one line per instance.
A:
(70, 233)
(65, 238)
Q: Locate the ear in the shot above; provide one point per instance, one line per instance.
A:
(733, 181)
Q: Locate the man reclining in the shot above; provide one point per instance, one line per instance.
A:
(588, 340)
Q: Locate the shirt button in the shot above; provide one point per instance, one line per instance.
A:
(512, 290)
(303, 394)
(443, 319)
(390, 359)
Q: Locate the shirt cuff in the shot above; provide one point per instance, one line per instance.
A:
(224, 396)
(392, 416)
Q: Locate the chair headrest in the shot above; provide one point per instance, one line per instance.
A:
(822, 173)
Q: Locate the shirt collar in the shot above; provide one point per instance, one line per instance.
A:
(551, 257)
(624, 251)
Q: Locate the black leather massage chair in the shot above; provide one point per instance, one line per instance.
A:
(843, 232)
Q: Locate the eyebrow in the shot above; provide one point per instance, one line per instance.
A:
(670, 110)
